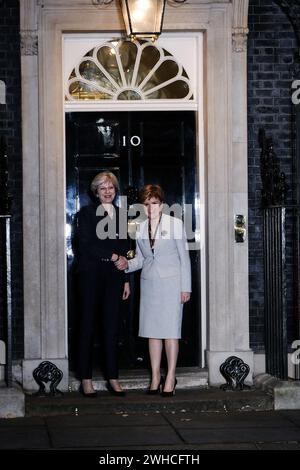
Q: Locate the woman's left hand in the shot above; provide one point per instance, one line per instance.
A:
(185, 297)
(126, 291)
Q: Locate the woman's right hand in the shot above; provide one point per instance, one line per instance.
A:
(122, 263)
(114, 257)
(185, 297)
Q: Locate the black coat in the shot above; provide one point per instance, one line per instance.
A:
(90, 249)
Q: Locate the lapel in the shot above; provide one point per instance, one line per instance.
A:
(161, 233)
(143, 236)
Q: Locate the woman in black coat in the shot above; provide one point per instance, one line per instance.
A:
(101, 284)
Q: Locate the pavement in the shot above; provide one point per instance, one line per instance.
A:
(192, 421)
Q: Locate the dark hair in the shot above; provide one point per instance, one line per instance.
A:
(151, 190)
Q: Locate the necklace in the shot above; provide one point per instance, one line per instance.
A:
(152, 238)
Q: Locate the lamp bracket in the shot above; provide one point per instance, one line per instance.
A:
(107, 2)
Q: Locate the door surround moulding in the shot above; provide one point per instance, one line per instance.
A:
(225, 148)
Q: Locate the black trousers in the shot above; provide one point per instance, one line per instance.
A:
(100, 294)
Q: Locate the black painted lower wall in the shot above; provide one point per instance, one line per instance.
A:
(10, 128)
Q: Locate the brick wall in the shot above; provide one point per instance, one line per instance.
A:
(10, 127)
(271, 45)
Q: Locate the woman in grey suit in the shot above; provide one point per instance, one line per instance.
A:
(162, 255)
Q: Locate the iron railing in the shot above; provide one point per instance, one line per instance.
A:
(5, 259)
(275, 291)
(274, 191)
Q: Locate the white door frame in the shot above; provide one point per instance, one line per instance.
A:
(168, 105)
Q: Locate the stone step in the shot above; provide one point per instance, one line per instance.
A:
(137, 379)
(192, 394)
(136, 401)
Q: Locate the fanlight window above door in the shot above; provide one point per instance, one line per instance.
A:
(126, 70)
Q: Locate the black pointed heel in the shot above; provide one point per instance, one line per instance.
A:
(156, 391)
(170, 394)
(85, 394)
(116, 393)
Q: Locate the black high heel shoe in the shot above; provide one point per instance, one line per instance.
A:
(156, 391)
(116, 393)
(87, 394)
(170, 394)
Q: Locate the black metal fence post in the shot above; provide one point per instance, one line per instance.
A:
(275, 291)
(5, 219)
(297, 151)
(274, 189)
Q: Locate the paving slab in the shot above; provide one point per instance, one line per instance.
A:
(64, 437)
(275, 446)
(19, 437)
(188, 447)
(225, 447)
(23, 422)
(104, 420)
(293, 416)
(238, 435)
(232, 419)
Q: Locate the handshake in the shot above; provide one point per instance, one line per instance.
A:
(121, 262)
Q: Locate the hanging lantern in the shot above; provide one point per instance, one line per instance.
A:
(143, 18)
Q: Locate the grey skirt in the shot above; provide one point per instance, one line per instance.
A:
(160, 308)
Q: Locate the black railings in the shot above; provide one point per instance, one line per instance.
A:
(275, 291)
(274, 189)
(5, 264)
(297, 151)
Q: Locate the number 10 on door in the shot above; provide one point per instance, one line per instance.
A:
(135, 140)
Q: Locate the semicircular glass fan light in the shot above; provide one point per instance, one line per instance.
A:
(128, 70)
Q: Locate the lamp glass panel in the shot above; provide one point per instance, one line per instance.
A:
(178, 89)
(129, 95)
(107, 58)
(166, 71)
(150, 56)
(128, 52)
(90, 71)
(83, 91)
(143, 17)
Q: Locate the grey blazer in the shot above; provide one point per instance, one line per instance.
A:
(170, 257)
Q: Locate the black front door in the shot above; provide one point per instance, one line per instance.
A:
(139, 148)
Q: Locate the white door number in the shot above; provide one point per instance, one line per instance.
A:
(135, 141)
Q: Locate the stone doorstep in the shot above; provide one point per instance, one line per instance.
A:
(193, 394)
(192, 400)
(187, 377)
(286, 393)
(12, 402)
